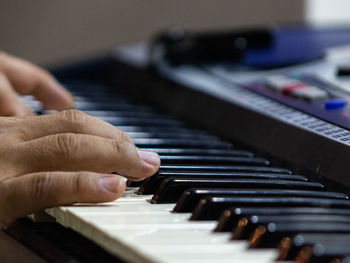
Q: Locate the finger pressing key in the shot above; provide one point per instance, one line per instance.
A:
(33, 192)
(83, 152)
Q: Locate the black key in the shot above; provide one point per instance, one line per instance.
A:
(246, 226)
(126, 114)
(141, 121)
(222, 168)
(201, 152)
(134, 183)
(229, 218)
(269, 236)
(198, 143)
(166, 159)
(90, 95)
(210, 208)
(109, 106)
(170, 135)
(171, 189)
(151, 184)
(343, 260)
(290, 247)
(190, 198)
(132, 128)
(100, 99)
(323, 253)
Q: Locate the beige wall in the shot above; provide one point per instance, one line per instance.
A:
(52, 31)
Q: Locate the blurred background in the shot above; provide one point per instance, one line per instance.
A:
(53, 32)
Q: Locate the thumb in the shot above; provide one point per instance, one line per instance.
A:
(32, 192)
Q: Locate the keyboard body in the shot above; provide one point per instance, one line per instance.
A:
(215, 107)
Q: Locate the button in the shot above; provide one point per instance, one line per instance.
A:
(343, 70)
(281, 83)
(310, 93)
(334, 104)
(291, 87)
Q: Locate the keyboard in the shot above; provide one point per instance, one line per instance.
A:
(242, 177)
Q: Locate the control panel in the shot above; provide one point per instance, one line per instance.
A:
(320, 88)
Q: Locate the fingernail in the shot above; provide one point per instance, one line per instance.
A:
(151, 158)
(122, 181)
(111, 183)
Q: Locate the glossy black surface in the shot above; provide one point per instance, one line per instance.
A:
(171, 189)
(190, 198)
(211, 208)
(229, 217)
(151, 184)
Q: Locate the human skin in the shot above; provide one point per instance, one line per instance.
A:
(60, 158)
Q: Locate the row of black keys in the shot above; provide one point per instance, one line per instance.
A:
(269, 206)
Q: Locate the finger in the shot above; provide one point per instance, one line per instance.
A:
(32, 192)
(27, 79)
(83, 152)
(69, 121)
(9, 102)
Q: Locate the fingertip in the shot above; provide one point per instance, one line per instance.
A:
(150, 162)
(113, 184)
(60, 99)
(54, 95)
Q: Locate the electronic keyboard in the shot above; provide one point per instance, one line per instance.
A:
(254, 163)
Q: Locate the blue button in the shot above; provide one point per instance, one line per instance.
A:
(334, 104)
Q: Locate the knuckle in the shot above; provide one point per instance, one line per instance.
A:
(117, 146)
(123, 144)
(40, 187)
(125, 138)
(67, 144)
(77, 183)
(74, 115)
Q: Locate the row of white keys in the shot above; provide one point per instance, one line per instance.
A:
(138, 231)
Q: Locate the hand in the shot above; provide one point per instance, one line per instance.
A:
(20, 77)
(64, 158)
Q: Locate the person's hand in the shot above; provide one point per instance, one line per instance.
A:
(64, 158)
(20, 77)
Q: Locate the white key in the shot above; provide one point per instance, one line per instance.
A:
(138, 231)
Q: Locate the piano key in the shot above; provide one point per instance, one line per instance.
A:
(158, 143)
(323, 253)
(201, 152)
(101, 99)
(170, 135)
(133, 128)
(109, 106)
(151, 184)
(245, 226)
(190, 198)
(126, 114)
(84, 86)
(134, 183)
(210, 208)
(168, 159)
(290, 247)
(269, 236)
(171, 188)
(132, 240)
(99, 93)
(230, 217)
(223, 168)
(152, 121)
